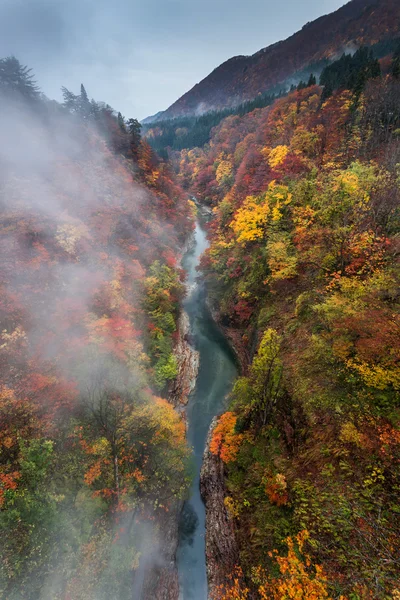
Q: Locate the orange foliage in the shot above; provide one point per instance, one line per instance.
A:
(225, 441)
(276, 490)
(299, 578)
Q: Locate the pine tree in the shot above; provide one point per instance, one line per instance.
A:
(84, 105)
(17, 79)
(94, 110)
(70, 100)
(312, 80)
(134, 128)
(327, 91)
(395, 69)
(121, 123)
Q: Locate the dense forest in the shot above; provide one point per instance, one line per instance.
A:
(302, 183)
(92, 456)
(303, 275)
(166, 135)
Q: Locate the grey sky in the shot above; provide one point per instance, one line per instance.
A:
(141, 55)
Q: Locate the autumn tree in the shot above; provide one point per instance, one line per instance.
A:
(258, 393)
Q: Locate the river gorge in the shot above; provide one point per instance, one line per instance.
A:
(216, 374)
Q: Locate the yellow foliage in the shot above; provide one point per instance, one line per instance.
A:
(224, 170)
(9, 339)
(376, 376)
(278, 196)
(278, 155)
(68, 236)
(304, 142)
(231, 507)
(283, 265)
(251, 220)
(349, 434)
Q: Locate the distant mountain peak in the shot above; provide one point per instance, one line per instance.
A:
(241, 78)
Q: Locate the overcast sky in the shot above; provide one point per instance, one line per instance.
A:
(142, 55)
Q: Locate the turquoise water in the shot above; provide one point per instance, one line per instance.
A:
(216, 374)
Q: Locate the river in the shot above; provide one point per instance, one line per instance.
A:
(216, 374)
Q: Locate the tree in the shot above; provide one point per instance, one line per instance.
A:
(258, 393)
(225, 440)
(80, 104)
(350, 72)
(95, 110)
(84, 106)
(312, 80)
(121, 123)
(17, 79)
(134, 128)
(299, 579)
(327, 91)
(395, 68)
(70, 100)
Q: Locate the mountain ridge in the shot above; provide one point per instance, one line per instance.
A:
(242, 78)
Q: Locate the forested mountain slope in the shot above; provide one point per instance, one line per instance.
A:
(90, 455)
(360, 22)
(303, 272)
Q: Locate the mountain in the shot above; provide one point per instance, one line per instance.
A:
(241, 78)
(302, 273)
(152, 118)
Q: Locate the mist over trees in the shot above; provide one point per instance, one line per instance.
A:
(92, 456)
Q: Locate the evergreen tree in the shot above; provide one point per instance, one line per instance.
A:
(301, 86)
(70, 100)
(350, 72)
(312, 80)
(84, 105)
(121, 123)
(134, 128)
(395, 69)
(17, 79)
(327, 91)
(94, 110)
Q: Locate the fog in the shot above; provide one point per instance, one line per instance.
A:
(64, 195)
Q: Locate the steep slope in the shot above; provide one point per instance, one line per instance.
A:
(89, 304)
(242, 77)
(303, 274)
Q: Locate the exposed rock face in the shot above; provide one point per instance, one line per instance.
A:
(160, 579)
(188, 364)
(221, 547)
(235, 339)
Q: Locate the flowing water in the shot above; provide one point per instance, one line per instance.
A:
(216, 374)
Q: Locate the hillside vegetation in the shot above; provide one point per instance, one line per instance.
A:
(242, 78)
(303, 270)
(91, 455)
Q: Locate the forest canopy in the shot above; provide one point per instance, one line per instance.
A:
(92, 455)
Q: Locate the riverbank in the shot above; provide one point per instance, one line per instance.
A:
(222, 554)
(217, 371)
(195, 537)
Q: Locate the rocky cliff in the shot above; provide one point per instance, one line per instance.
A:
(221, 547)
